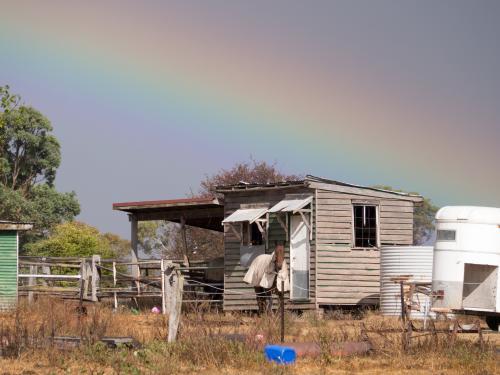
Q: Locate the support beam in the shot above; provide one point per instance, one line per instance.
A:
(136, 272)
(184, 240)
(235, 232)
(307, 222)
(283, 224)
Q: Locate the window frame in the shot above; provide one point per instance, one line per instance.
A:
(376, 205)
(446, 230)
(248, 235)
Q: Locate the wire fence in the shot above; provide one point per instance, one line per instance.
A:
(96, 279)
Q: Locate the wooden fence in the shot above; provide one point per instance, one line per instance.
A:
(95, 278)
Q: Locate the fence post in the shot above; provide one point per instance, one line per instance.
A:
(114, 286)
(32, 282)
(86, 271)
(175, 286)
(163, 296)
(45, 271)
(82, 286)
(96, 260)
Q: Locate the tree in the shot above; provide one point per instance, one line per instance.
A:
(119, 247)
(73, 239)
(165, 238)
(44, 207)
(423, 218)
(253, 172)
(30, 153)
(29, 158)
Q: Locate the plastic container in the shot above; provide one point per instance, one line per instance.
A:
(280, 354)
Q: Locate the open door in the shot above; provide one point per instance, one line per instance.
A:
(480, 287)
(299, 258)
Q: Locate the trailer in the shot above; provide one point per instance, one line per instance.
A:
(466, 262)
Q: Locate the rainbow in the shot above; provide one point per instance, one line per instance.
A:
(205, 84)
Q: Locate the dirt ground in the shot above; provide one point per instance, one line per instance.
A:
(217, 343)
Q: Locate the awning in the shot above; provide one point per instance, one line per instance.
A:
(245, 214)
(292, 203)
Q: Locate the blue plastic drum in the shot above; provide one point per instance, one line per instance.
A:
(280, 354)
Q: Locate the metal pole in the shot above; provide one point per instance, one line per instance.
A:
(282, 310)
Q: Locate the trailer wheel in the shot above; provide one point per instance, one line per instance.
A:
(493, 322)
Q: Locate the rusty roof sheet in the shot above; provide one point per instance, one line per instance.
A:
(182, 202)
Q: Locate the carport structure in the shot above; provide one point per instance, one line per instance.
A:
(206, 213)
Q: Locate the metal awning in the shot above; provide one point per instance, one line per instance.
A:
(245, 214)
(292, 203)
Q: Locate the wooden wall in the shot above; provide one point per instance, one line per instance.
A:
(346, 275)
(238, 295)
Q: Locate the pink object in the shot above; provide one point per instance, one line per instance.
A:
(155, 310)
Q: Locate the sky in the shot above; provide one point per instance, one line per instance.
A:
(148, 97)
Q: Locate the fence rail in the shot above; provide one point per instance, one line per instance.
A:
(94, 279)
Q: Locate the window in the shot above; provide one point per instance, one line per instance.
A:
(446, 235)
(251, 234)
(365, 226)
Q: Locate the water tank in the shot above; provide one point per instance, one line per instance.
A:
(395, 261)
(467, 259)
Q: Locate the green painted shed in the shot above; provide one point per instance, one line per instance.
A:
(9, 253)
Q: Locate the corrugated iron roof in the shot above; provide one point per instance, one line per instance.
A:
(291, 203)
(245, 214)
(182, 202)
(303, 182)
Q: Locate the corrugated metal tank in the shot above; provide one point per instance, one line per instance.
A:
(8, 269)
(403, 260)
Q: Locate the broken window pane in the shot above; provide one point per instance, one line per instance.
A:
(365, 226)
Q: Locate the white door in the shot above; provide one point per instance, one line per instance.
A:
(299, 258)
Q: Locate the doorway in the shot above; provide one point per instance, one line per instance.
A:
(299, 258)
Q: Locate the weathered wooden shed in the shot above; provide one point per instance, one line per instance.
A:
(332, 232)
(9, 255)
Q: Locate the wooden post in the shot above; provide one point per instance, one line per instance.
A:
(184, 240)
(175, 286)
(402, 300)
(136, 271)
(480, 334)
(87, 271)
(282, 310)
(82, 286)
(32, 282)
(114, 286)
(96, 259)
(45, 271)
(163, 296)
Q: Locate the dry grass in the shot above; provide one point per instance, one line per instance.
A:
(207, 344)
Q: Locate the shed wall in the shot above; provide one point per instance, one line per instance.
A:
(8, 269)
(346, 275)
(239, 295)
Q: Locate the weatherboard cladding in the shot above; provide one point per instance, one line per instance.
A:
(238, 295)
(339, 273)
(8, 269)
(346, 275)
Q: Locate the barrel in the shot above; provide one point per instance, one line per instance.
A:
(280, 354)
